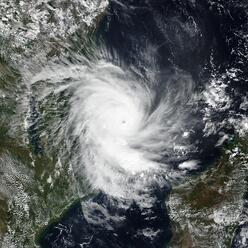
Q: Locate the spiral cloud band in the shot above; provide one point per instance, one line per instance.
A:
(125, 125)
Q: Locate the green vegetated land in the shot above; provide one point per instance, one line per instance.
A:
(37, 178)
(37, 185)
(206, 208)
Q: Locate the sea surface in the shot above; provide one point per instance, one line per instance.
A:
(123, 124)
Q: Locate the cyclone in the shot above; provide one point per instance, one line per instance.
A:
(124, 125)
